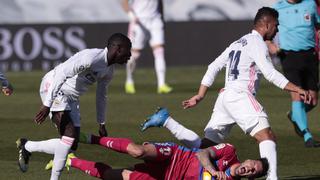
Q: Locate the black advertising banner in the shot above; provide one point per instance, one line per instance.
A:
(42, 46)
(29, 47)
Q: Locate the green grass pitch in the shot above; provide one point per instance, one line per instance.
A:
(126, 112)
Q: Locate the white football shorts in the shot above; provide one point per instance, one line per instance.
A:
(151, 29)
(61, 102)
(235, 107)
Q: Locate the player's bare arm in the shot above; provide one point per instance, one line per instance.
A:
(204, 156)
(193, 101)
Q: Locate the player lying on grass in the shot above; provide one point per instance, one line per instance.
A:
(170, 161)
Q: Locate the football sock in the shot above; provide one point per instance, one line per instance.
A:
(116, 144)
(89, 167)
(160, 65)
(299, 115)
(131, 66)
(47, 146)
(268, 150)
(186, 136)
(60, 156)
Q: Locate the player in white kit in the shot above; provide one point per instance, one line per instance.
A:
(7, 88)
(60, 91)
(246, 60)
(146, 24)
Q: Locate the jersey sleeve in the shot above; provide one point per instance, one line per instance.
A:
(224, 150)
(259, 53)
(214, 68)
(101, 99)
(4, 81)
(74, 65)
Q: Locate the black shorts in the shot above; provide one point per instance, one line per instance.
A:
(301, 68)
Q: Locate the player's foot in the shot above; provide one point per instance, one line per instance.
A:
(50, 163)
(68, 162)
(85, 138)
(296, 128)
(164, 89)
(156, 120)
(129, 88)
(312, 143)
(24, 155)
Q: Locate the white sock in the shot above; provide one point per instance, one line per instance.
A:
(186, 136)
(60, 156)
(160, 65)
(268, 150)
(47, 146)
(131, 66)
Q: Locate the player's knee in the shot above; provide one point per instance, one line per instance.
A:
(265, 134)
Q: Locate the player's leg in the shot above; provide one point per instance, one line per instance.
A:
(75, 116)
(137, 37)
(26, 147)
(97, 169)
(156, 29)
(219, 125)
(299, 75)
(267, 146)
(251, 118)
(67, 130)
(162, 118)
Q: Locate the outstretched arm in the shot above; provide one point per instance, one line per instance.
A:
(193, 101)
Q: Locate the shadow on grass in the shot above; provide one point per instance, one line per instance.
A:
(309, 177)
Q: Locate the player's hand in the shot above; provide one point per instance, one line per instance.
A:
(7, 90)
(102, 130)
(42, 114)
(306, 96)
(191, 102)
(219, 175)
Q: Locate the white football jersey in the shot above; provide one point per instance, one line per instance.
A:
(73, 77)
(245, 60)
(145, 8)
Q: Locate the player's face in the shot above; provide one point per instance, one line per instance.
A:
(249, 168)
(123, 55)
(272, 29)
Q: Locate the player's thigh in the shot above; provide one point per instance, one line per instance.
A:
(245, 110)
(220, 123)
(156, 30)
(138, 35)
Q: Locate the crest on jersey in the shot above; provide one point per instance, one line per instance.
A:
(307, 17)
(165, 151)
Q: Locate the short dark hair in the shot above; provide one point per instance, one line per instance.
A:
(265, 167)
(265, 12)
(118, 39)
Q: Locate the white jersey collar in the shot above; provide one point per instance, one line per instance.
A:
(256, 33)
